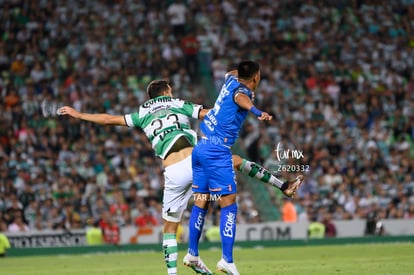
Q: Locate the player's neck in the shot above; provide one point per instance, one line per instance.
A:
(246, 83)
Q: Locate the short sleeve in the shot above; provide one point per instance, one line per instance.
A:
(132, 120)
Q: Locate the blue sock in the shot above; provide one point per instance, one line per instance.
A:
(195, 225)
(228, 230)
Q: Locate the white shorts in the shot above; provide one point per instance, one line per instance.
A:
(177, 189)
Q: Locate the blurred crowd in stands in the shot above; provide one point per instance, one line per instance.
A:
(336, 75)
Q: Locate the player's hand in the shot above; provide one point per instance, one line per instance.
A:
(265, 116)
(66, 110)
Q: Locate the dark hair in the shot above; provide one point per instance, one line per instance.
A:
(157, 88)
(247, 69)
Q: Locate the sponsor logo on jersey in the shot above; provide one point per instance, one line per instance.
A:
(150, 102)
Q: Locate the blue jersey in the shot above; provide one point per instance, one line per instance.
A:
(224, 121)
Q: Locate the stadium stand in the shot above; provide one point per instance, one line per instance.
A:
(336, 75)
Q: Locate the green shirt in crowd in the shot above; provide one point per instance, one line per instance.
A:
(94, 236)
(316, 230)
(213, 234)
(4, 244)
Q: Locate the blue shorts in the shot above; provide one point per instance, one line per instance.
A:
(213, 170)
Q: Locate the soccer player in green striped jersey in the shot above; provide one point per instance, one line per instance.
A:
(166, 123)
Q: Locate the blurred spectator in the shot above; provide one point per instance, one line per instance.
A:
(145, 218)
(71, 218)
(84, 214)
(213, 233)
(4, 241)
(14, 209)
(316, 229)
(190, 46)
(17, 225)
(288, 211)
(330, 228)
(181, 234)
(119, 209)
(374, 225)
(99, 207)
(205, 53)
(30, 213)
(56, 220)
(94, 234)
(110, 229)
(11, 99)
(177, 14)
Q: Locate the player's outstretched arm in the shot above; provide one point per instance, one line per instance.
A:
(104, 119)
(244, 101)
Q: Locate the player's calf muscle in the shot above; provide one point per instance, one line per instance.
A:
(170, 227)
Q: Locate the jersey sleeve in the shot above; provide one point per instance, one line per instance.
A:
(243, 91)
(190, 109)
(231, 82)
(132, 120)
(238, 88)
(229, 77)
(196, 110)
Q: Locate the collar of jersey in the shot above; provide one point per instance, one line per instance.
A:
(160, 96)
(242, 86)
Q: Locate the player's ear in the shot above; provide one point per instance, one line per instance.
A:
(255, 79)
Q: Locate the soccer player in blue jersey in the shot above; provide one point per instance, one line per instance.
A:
(212, 163)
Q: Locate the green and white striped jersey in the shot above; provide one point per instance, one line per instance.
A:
(164, 119)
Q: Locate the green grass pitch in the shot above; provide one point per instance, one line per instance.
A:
(395, 258)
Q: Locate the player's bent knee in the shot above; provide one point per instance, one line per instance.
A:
(201, 200)
(227, 200)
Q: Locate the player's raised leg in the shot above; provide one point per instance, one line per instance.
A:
(254, 170)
